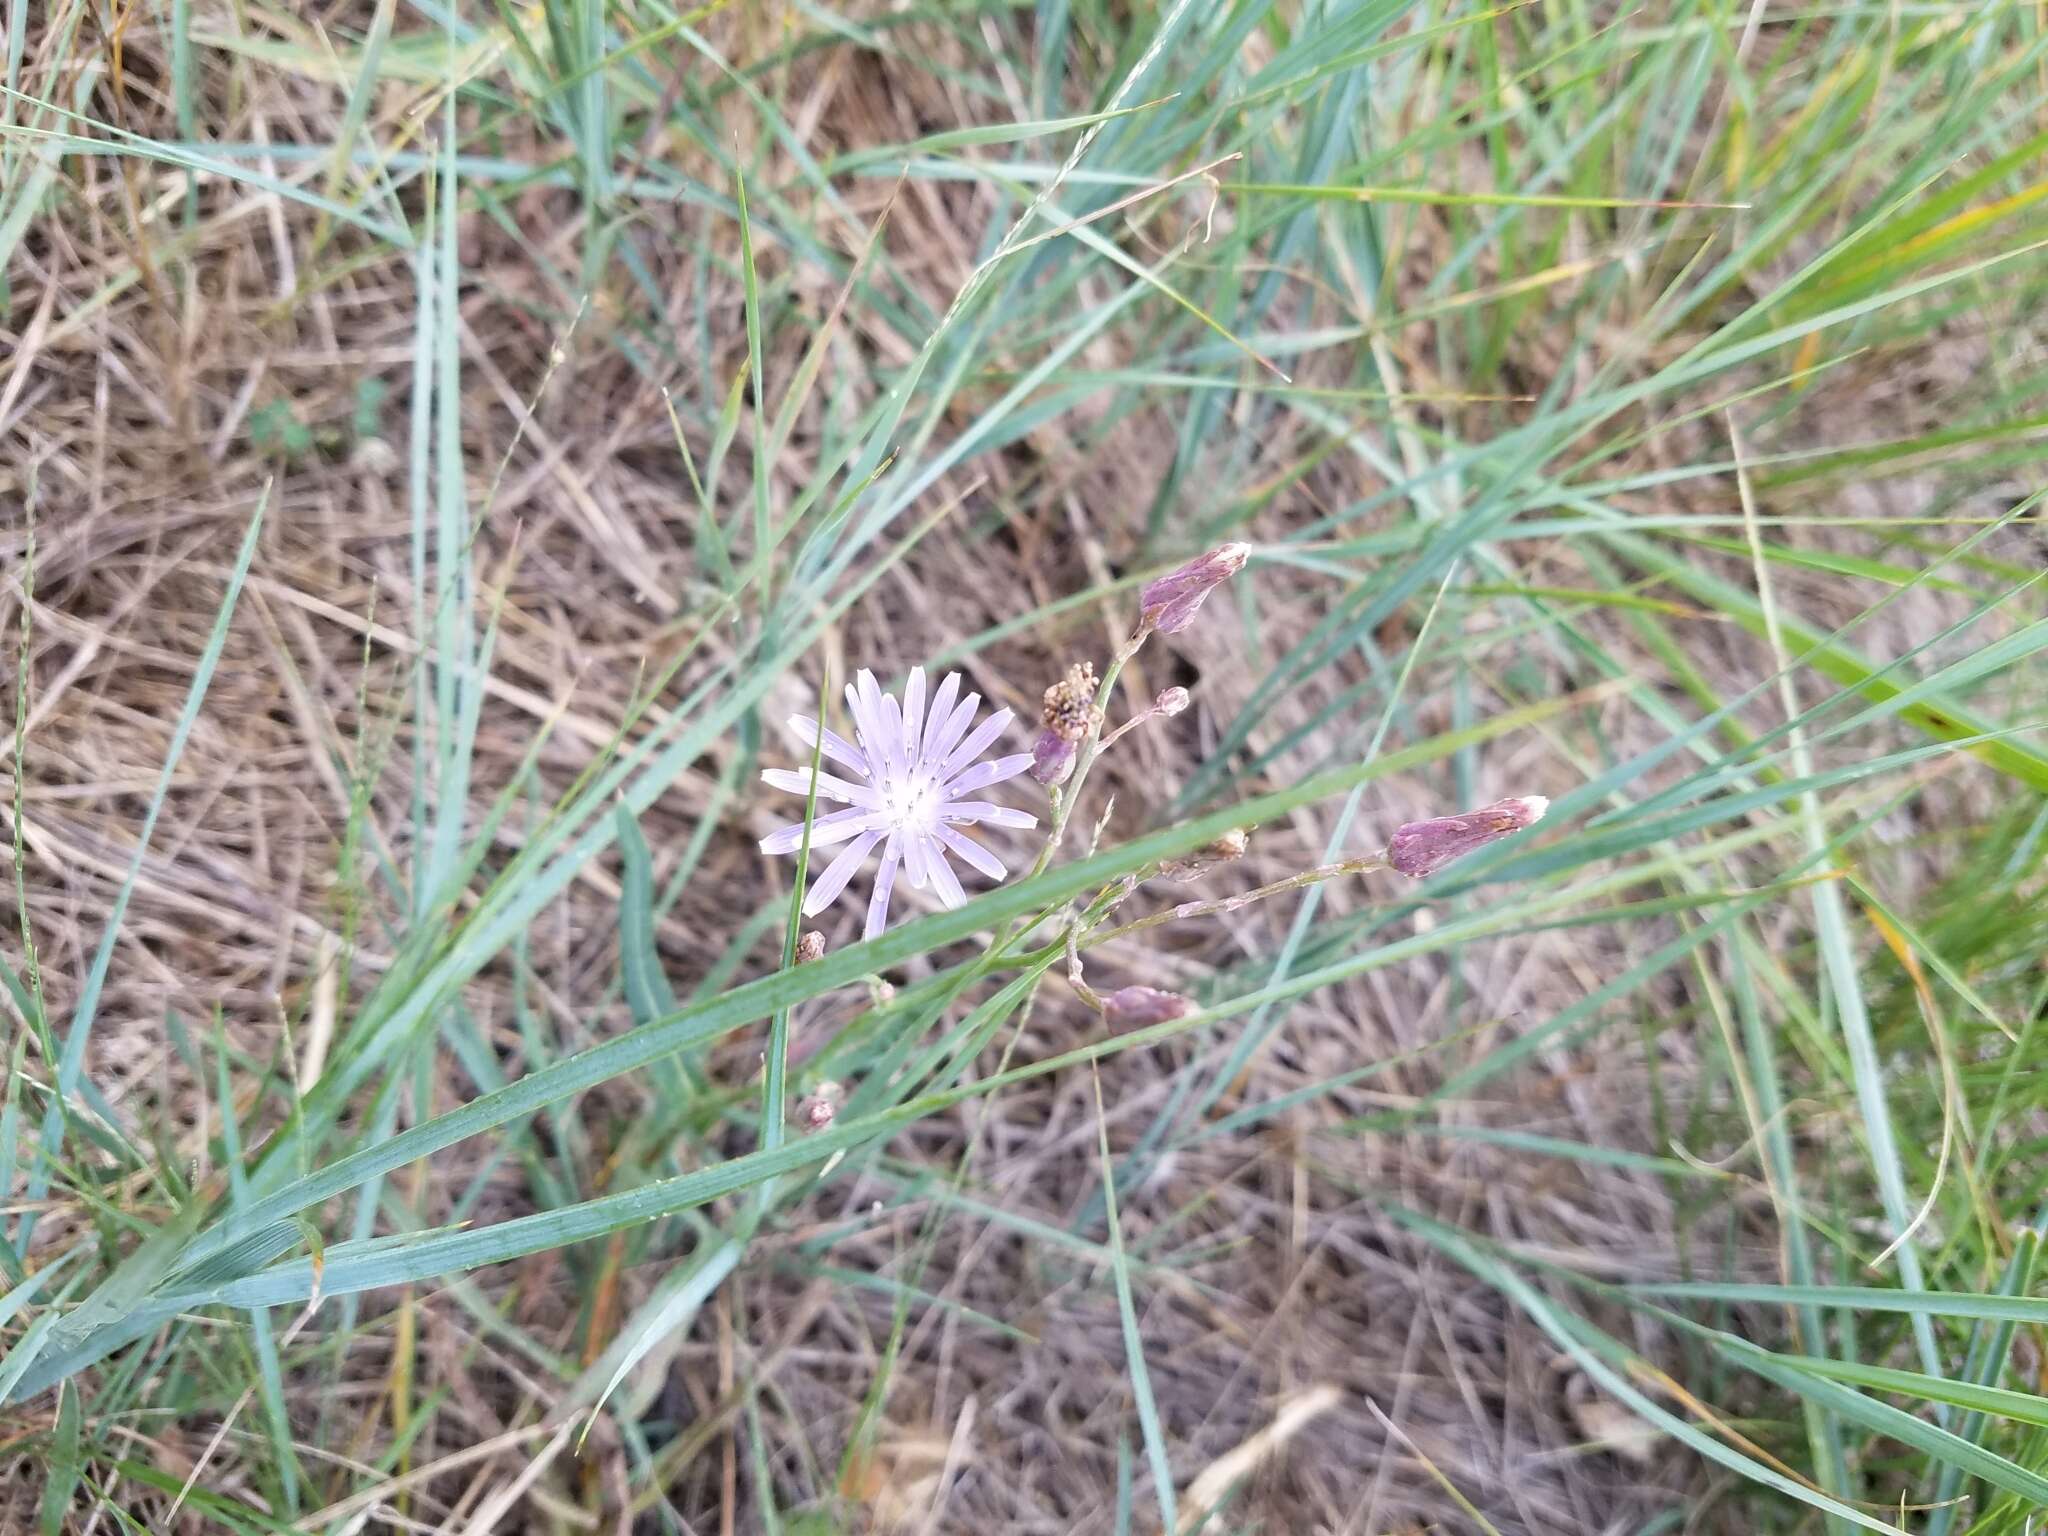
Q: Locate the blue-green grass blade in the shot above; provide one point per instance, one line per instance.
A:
(65, 1463)
(648, 994)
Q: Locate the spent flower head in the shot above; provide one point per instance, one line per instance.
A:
(1068, 715)
(910, 769)
(817, 1109)
(1421, 848)
(1068, 709)
(1169, 604)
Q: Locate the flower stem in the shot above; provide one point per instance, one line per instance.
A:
(1222, 904)
(1090, 749)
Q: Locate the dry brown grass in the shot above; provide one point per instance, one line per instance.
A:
(126, 421)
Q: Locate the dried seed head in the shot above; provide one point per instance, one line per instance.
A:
(814, 1111)
(810, 947)
(1421, 848)
(1052, 758)
(1070, 704)
(1169, 604)
(1231, 845)
(1171, 701)
(1133, 1007)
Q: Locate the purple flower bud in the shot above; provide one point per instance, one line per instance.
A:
(1131, 1007)
(1052, 757)
(1170, 603)
(1423, 847)
(1171, 701)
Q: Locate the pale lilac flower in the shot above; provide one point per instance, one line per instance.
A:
(1424, 847)
(1128, 1007)
(908, 779)
(1169, 604)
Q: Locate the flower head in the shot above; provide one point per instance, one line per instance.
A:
(1069, 714)
(1169, 604)
(1423, 847)
(1069, 710)
(910, 771)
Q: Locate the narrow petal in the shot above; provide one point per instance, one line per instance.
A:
(937, 749)
(944, 881)
(878, 903)
(971, 811)
(825, 831)
(837, 747)
(913, 715)
(892, 722)
(798, 782)
(976, 743)
(866, 726)
(826, 888)
(971, 851)
(981, 775)
(871, 708)
(888, 717)
(937, 716)
(916, 859)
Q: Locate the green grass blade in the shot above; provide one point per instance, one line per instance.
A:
(1134, 1345)
(1997, 1402)
(1597, 1355)
(66, 1463)
(648, 993)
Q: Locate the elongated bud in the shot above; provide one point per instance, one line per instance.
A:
(1169, 604)
(1171, 701)
(1052, 758)
(1133, 1007)
(814, 1111)
(810, 947)
(1423, 847)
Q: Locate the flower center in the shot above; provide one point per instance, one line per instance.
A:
(911, 800)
